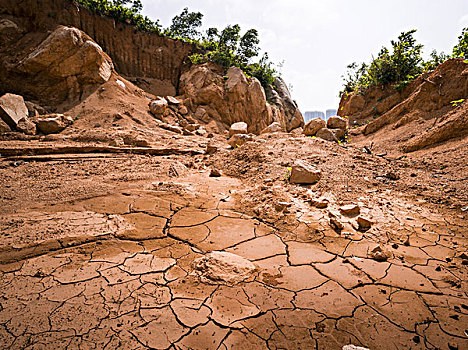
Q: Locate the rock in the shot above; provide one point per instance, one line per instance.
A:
(158, 107)
(392, 175)
(297, 132)
(314, 125)
(304, 173)
(201, 131)
(9, 31)
(183, 110)
(224, 268)
(192, 127)
(12, 109)
(238, 128)
(34, 109)
(68, 52)
(4, 127)
(210, 148)
(53, 123)
(238, 140)
(177, 169)
(364, 223)
(26, 126)
(353, 347)
(335, 223)
(380, 254)
(173, 101)
(319, 202)
(117, 142)
(236, 97)
(336, 123)
(326, 134)
(215, 172)
(273, 127)
(339, 133)
(350, 209)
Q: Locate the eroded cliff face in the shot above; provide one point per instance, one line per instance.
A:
(57, 53)
(150, 60)
(417, 116)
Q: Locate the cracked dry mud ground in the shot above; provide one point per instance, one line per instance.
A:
(99, 253)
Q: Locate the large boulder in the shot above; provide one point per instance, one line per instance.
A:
(68, 52)
(64, 66)
(314, 125)
(53, 123)
(12, 109)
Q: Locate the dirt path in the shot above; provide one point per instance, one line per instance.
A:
(106, 253)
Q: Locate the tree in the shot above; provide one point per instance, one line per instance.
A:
(186, 25)
(461, 49)
(248, 45)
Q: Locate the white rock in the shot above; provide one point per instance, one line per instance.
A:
(238, 128)
(273, 127)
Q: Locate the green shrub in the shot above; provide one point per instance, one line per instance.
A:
(461, 49)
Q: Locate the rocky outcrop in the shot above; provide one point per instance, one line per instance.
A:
(53, 123)
(235, 98)
(288, 113)
(153, 62)
(63, 66)
(423, 113)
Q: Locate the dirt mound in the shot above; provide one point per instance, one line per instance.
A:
(430, 110)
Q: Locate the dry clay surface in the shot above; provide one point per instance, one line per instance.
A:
(140, 251)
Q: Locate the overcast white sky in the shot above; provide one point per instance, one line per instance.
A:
(317, 39)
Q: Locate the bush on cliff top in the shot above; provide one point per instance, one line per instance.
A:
(226, 48)
(399, 66)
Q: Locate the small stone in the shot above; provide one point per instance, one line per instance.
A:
(158, 107)
(172, 100)
(319, 202)
(53, 123)
(392, 175)
(304, 173)
(210, 148)
(353, 347)
(380, 254)
(177, 169)
(334, 222)
(238, 140)
(273, 127)
(350, 209)
(364, 223)
(238, 128)
(183, 110)
(215, 172)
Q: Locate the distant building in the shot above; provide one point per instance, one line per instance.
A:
(330, 113)
(313, 114)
